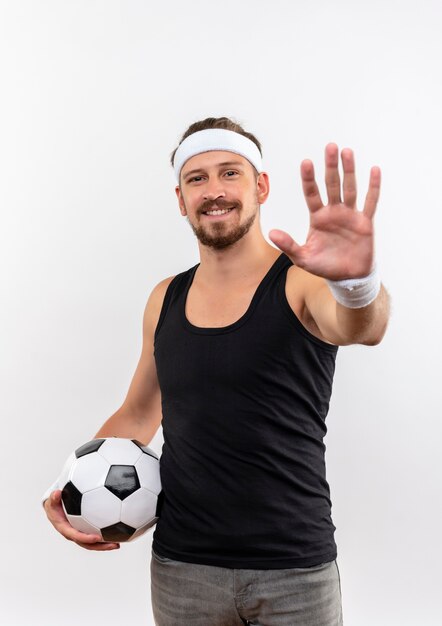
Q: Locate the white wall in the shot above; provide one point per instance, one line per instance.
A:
(94, 97)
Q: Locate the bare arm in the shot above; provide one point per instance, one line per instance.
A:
(139, 418)
(140, 415)
(343, 326)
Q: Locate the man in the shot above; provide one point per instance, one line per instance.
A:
(237, 364)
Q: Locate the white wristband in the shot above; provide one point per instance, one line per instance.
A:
(356, 293)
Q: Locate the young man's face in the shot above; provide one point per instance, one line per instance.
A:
(220, 180)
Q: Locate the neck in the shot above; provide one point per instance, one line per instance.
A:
(237, 263)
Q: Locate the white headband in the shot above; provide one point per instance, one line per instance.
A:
(216, 139)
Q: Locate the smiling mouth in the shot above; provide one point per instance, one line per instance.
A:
(218, 213)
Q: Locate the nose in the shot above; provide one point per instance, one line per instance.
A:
(213, 190)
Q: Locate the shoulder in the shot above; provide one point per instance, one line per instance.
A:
(159, 291)
(154, 304)
(301, 289)
(302, 284)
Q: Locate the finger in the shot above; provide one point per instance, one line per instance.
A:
(285, 243)
(63, 526)
(309, 186)
(85, 540)
(55, 511)
(374, 190)
(349, 184)
(54, 508)
(71, 533)
(55, 497)
(99, 547)
(332, 180)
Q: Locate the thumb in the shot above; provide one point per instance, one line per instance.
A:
(55, 498)
(285, 242)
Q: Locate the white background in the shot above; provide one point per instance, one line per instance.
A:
(95, 95)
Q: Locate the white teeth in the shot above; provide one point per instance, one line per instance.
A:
(219, 212)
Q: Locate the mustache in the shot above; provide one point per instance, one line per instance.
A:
(218, 204)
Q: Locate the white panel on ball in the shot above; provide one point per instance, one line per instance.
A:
(120, 451)
(67, 470)
(81, 524)
(143, 529)
(89, 472)
(147, 470)
(138, 508)
(100, 507)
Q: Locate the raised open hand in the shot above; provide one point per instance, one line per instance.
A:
(340, 241)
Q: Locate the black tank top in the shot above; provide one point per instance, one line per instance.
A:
(244, 408)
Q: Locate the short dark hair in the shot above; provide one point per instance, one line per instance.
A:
(217, 122)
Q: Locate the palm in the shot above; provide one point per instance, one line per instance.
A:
(340, 241)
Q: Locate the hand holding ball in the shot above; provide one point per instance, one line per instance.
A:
(111, 487)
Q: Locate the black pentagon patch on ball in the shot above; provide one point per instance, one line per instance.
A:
(117, 532)
(140, 445)
(71, 499)
(90, 446)
(122, 480)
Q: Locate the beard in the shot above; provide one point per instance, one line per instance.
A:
(221, 235)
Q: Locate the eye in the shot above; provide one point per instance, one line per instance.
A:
(194, 178)
(231, 172)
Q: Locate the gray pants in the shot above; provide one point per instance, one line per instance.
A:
(189, 594)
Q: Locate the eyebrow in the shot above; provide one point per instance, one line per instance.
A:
(201, 169)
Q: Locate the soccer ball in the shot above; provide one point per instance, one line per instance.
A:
(112, 487)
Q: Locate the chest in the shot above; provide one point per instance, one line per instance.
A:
(207, 308)
(215, 309)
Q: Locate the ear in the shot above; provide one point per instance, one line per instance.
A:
(180, 200)
(263, 187)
